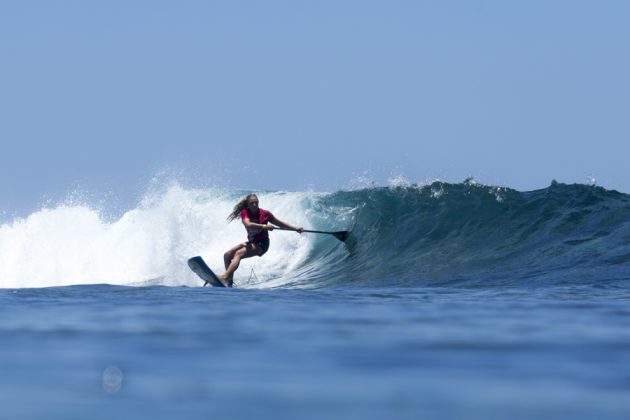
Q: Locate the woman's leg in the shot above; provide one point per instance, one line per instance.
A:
(227, 257)
(247, 251)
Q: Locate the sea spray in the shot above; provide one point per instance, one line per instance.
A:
(147, 245)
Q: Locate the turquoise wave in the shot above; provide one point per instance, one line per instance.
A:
(470, 235)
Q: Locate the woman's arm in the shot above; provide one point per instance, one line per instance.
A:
(251, 225)
(273, 219)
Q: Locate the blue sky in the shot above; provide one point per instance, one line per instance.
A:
(294, 95)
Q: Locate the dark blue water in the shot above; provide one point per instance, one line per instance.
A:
(103, 352)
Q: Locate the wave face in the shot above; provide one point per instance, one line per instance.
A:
(475, 235)
(465, 235)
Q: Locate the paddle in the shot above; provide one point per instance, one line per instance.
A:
(341, 235)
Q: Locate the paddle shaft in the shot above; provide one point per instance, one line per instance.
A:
(342, 235)
(305, 230)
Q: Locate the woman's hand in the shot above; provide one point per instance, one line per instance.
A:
(268, 227)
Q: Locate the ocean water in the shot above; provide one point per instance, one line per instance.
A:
(448, 301)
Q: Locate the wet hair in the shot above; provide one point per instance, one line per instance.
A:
(239, 207)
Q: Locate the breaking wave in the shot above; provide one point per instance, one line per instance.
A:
(465, 234)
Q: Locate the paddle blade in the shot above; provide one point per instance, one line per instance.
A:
(342, 235)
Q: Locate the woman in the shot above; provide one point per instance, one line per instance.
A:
(256, 222)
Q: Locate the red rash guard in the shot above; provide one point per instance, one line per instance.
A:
(255, 234)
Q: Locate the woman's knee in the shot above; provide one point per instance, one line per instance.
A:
(240, 253)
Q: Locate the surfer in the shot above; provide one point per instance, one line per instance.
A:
(256, 221)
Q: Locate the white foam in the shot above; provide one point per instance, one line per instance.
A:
(74, 244)
(398, 181)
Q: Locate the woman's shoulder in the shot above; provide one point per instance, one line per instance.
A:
(267, 214)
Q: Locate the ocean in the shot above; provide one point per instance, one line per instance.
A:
(448, 301)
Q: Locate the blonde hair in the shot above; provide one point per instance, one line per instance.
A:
(239, 207)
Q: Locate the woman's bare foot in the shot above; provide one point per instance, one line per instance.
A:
(227, 282)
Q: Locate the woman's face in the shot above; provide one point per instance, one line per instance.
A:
(252, 203)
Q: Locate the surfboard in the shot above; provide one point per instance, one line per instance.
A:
(199, 266)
